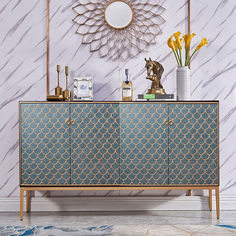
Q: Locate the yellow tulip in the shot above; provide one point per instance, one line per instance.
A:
(177, 35)
(179, 41)
(202, 43)
(175, 45)
(188, 38)
(171, 43)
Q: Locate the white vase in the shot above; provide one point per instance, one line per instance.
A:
(183, 83)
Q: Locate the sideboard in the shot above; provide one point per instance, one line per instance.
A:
(119, 146)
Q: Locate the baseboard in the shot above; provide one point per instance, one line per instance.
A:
(118, 203)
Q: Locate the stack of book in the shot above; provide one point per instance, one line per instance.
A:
(155, 97)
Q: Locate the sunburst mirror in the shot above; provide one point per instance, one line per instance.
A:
(118, 29)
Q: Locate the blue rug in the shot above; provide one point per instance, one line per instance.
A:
(122, 230)
(103, 230)
(227, 226)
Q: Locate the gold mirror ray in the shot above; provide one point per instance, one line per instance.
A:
(122, 20)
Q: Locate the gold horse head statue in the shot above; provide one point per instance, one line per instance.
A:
(154, 73)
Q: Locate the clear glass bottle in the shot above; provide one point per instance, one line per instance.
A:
(127, 88)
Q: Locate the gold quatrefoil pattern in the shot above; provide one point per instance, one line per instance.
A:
(143, 144)
(95, 144)
(126, 144)
(193, 144)
(45, 144)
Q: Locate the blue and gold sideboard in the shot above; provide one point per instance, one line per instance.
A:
(119, 146)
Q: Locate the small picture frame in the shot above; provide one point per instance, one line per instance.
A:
(83, 88)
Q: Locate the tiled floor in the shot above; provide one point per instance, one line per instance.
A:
(124, 218)
(146, 223)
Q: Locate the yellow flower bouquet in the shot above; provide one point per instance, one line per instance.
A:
(177, 44)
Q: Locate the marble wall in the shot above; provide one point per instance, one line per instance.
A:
(23, 71)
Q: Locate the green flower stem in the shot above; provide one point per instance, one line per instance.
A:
(186, 56)
(192, 56)
(180, 55)
(177, 53)
(176, 57)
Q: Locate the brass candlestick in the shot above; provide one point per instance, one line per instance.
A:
(55, 98)
(67, 93)
(58, 89)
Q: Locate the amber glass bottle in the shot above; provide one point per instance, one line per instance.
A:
(127, 88)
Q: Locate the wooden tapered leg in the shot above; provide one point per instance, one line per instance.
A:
(189, 193)
(21, 203)
(47, 193)
(210, 199)
(27, 201)
(217, 202)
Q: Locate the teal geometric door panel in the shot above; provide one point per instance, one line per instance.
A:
(95, 144)
(126, 144)
(143, 144)
(193, 147)
(45, 144)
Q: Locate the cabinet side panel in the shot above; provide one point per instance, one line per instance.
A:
(144, 144)
(193, 144)
(95, 144)
(45, 144)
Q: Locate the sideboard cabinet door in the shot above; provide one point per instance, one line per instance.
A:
(143, 144)
(45, 144)
(193, 144)
(95, 144)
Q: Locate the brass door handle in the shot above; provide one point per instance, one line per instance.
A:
(72, 122)
(68, 122)
(166, 122)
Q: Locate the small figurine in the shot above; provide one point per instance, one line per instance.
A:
(157, 69)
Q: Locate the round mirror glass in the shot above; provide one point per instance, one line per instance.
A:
(118, 14)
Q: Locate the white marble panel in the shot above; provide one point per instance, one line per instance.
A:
(213, 76)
